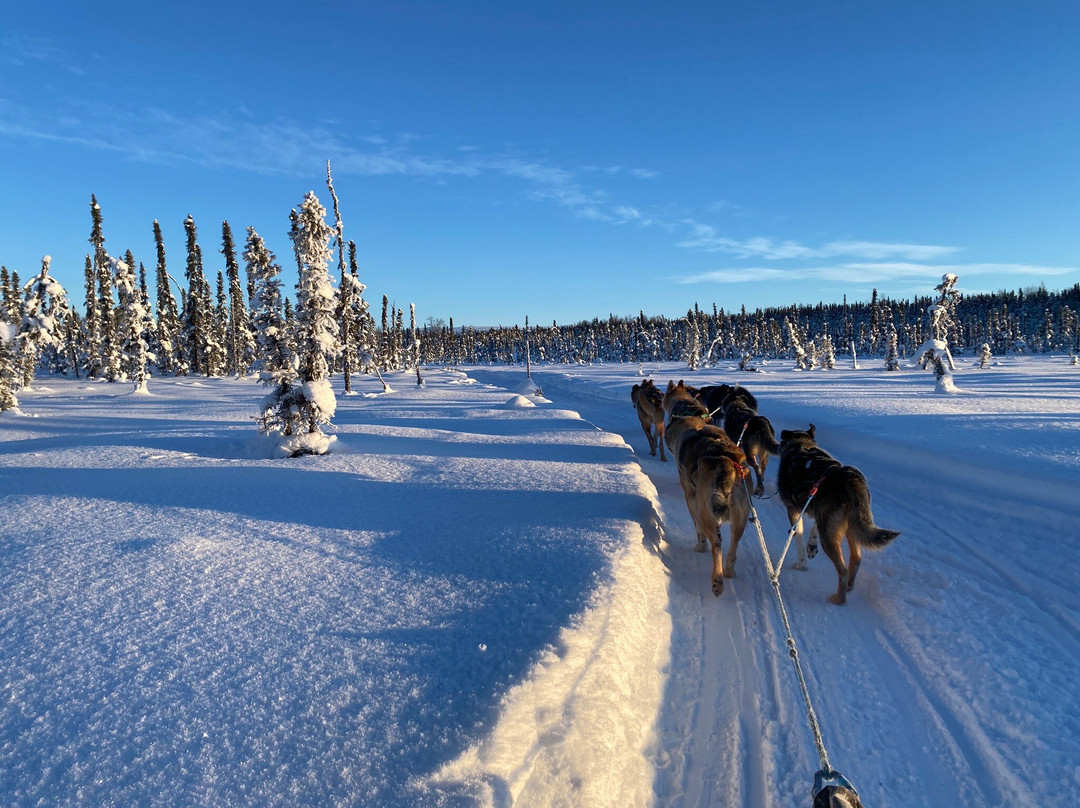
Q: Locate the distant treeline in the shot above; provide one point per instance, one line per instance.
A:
(1024, 321)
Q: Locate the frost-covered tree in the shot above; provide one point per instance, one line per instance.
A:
(801, 360)
(414, 337)
(272, 351)
(195, 319)
(892, 356)
(828, 353)
(133, 348)
(9, 369)
(936, 349)
(298, 411)
(692, 352)
(217, 322)
(170, 355)
(41, 327)
(985, 356)
(240, 344)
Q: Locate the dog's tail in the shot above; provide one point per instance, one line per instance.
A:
(863, 531)
(725, 475)
(768, 437)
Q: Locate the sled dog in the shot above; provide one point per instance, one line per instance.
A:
(649, 403)
(710, 472)
(754, 435)
(840, 508)
(716, 397)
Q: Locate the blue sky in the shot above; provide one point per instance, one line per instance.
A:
(562, 160)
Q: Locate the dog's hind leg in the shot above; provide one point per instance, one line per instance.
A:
(739, 515)
(800, 547)
(832, 536)
(646, 427)
(854, 560)
(660, 429)
(718, 562)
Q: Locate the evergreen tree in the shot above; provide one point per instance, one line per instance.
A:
(415, 339)
(241, 338)
(985, 356)
(133, 316)
(195, 318)
(41, 327)
(216, 354)
(299, 410)
(273, 353)
(170, 356)
(892, 359)
(9, 370)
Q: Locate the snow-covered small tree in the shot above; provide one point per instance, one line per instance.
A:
(415, 347)
(298, 411)
(892, 355)
(802, 361)
(692, 351)
(45, 310)
(985, 356)
(133, 314)
(9, 369)
(272, 352)
(828, 354)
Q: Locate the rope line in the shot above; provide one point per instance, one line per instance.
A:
(793, 651)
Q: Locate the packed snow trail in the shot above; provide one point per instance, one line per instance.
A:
(949, 678)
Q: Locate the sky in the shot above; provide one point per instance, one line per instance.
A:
(560, 160)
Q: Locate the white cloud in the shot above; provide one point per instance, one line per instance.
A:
(871, 272)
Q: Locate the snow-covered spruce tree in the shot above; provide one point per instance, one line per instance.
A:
(240, 344)
(195, 318)
(169, 356)
(828, 354)
(310, 404)
(935, 351)
(41, 328)
(415, 347)
(217, 328)
(345, 291)
(801, 360)
(133, 314)
(985, 356)
(9, 369)
(692, 352)
(892, 356)
(272, 345)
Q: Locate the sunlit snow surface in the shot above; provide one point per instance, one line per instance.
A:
(470, 601)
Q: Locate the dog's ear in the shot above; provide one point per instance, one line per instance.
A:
(681, 384)
(810, 431)
(670, 385)
(785, 434)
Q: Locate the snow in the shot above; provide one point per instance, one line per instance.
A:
(466, 603)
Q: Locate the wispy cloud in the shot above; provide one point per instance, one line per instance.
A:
(869, 272)
(706, 238)
(289, 148)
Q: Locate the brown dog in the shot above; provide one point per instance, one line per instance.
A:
(710, 473)
(754, 435)
(840, 507)
(649, 403)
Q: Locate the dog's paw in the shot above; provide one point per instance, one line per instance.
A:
(800, 565)
(729, 572)
(759, 491)
(837, 599)
(811, 550)
(718, 586)
(701, 547)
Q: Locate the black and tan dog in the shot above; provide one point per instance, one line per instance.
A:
(716, 397)
(840, 508)
(754, 435)
(710, 472)
(649, 402)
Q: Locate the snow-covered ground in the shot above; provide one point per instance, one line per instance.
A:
(478, 601)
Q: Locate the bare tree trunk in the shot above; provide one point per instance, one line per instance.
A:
(345, 290)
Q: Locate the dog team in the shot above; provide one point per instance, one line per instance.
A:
(712, 462)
